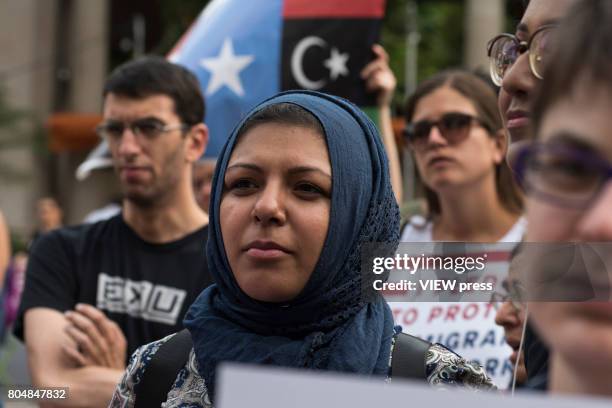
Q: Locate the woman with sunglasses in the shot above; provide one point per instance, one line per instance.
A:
(567, 176)
(456, 137)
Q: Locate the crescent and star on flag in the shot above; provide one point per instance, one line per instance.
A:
(225, 68)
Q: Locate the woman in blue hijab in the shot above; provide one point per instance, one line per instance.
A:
(300, 188)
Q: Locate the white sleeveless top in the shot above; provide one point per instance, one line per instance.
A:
(419, 229)
(467, 328)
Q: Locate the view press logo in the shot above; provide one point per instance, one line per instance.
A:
(436, 272)
(475, 272)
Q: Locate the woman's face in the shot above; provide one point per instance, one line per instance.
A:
(275, 209)
(512, 319)
(519, 82)
(444, 165)
(578, 331)
(510, 314)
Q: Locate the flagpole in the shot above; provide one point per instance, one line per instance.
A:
(413, 37)
(139, 32)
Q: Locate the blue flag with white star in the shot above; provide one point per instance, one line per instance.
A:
(246, 51)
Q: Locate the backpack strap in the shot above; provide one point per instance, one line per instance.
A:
(409, 357)
(408, 361)
(161, 372)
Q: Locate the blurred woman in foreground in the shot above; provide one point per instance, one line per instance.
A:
(567, 174)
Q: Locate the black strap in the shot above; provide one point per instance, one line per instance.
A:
(408, 361)
(409, 357)
(162, 370)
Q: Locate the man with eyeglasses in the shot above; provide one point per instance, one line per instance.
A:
(96, 292)
(516, 65)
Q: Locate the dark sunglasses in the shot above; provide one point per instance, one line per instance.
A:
(453, 126)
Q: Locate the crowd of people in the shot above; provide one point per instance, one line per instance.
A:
(256, 257)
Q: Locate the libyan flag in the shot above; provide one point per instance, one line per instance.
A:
(246, 51)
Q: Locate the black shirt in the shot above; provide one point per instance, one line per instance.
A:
(145, 288)
(536, 359)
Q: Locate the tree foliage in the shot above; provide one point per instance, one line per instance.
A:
(176, 19)
(18, 130)
(440, 28)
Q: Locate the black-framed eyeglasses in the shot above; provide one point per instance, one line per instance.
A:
(143, 129)
(562, 175)
(513, 293)
(453, 126)
(504, 49)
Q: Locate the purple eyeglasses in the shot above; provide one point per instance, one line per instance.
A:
(562, 175)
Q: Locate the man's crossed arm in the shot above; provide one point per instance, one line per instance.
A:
(81, 349)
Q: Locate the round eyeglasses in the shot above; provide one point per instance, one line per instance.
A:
(504, 49)
(513, 292)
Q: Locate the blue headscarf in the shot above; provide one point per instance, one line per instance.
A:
(331, 325)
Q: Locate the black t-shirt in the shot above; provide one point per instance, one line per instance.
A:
(536, 358)
(146, 288)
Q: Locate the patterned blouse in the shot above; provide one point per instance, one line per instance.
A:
(445, 369)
